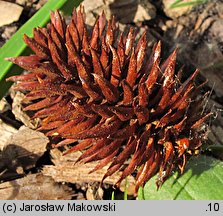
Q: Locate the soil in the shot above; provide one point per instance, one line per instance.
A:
(197, 32)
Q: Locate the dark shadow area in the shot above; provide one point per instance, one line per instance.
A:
(122, 8)
(9, 119)
(15, 161)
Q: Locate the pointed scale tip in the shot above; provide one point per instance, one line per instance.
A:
(11, 59)
(54, 15)
(157, 51)
(158, 46)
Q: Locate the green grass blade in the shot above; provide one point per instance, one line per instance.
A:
(141, 195)
(179, 4)
(15, 46)
(125, 191)
(175, 3)
(113, 195)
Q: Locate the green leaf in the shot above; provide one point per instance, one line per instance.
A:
(15, 46)
(202, 180)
